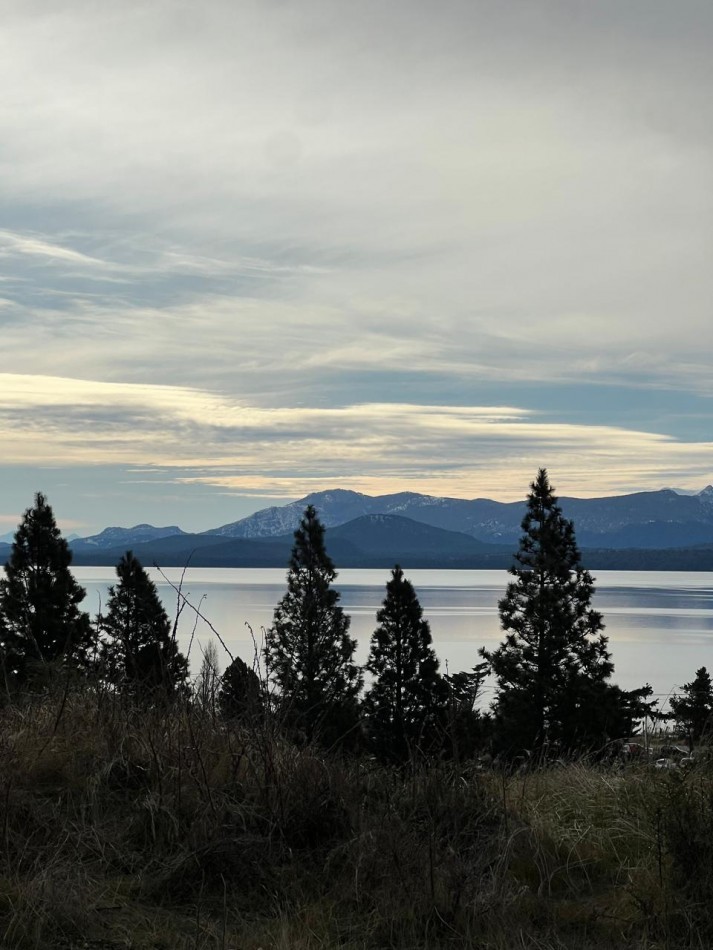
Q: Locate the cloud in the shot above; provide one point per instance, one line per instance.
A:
(253, 212)
(198, 437)
(303, 346)
(32, 246)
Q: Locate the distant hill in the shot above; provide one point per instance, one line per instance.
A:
(124, 537)
(334, 507)
(388, 539)
(658, 519)
(369, 541)
(196, 550)
(380, 541)
(648, 559)
(659, 530)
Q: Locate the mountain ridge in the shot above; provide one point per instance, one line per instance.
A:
(622, 521)
(111, 537)
(643, 528)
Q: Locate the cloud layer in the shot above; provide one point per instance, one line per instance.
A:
(197, 437)
(302, 225)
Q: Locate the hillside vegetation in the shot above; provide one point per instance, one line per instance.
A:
(171, 828)
(278, 807)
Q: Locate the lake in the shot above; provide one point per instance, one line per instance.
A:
(659, 624)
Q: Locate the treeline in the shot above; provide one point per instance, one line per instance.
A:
(46, 639)
(321, 805)
(552, 672)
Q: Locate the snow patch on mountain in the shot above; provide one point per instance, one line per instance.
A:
(706, 496)
(333, 507)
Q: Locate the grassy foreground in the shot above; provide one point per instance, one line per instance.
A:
(123, 828)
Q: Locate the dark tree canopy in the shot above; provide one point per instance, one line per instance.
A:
(140, 655)
(240, 692)
(406, 704)
(308, 651)
(467, 729)
(693, 708)
(552, 667)
(41, 623)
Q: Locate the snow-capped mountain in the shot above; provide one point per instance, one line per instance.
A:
(657, 519)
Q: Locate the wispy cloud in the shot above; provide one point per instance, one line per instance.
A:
(12, 244)
(254, 212)
(205, 438)
(158, 259)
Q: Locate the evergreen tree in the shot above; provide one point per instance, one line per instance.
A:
(41, 623)
(552, 668)
(593, 711)
(467, 729)
(406, 704)
(308, 651)
(240, 692)
(141, 656)
(636, 707)
(693, 710)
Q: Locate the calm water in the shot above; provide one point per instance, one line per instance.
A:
(660, 624)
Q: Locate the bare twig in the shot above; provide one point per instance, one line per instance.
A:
(185, 602)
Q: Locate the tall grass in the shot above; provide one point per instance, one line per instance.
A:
(167, 827)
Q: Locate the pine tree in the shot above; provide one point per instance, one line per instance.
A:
(552, 668)
(43, 627)
(406, 704)
(467, 729)
(240, 692)
(140, 656)
(693, 710)
(308, 651)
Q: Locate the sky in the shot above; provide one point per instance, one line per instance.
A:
(250, 250)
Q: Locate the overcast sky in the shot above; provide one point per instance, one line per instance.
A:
(252, 250)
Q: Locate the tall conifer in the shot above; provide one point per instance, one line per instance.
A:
(43, 626)
(408, 696)
(308, 651)
(140, 656)
(693, 708)
(552, 667)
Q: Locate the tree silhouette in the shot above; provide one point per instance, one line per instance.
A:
(41, 623)
(240, 692)
(467, 729)
(693, 709)
(552, 667)
(140, 656)
(308, 651)
(406, 704)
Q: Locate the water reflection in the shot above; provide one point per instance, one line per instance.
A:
(659, 624)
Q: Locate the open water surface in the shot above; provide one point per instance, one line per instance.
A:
(659, 624)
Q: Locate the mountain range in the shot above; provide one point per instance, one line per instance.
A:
(656, 530)
(656, 519)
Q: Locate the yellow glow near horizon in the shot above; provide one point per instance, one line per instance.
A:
(203, 437)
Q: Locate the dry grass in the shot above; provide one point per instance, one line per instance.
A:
(123, 827)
